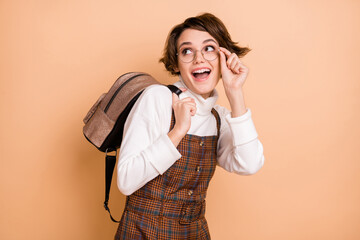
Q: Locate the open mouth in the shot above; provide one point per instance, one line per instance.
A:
(201, 73)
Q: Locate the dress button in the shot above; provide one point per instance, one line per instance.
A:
(190, 192)
(201, 143)
(198, 168)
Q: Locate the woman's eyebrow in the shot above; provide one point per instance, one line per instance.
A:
(184, 43)
(209, 40)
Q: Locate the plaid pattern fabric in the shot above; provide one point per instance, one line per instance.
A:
(172, 205)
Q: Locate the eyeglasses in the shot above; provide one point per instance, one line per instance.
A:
(209, 53)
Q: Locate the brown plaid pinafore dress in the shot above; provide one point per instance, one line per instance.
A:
(172, 205)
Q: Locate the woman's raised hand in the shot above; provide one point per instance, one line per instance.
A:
(233, 72)
(184, 109)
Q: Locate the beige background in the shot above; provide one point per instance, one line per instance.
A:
(57, 57)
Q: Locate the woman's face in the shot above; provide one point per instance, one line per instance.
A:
(199, 75)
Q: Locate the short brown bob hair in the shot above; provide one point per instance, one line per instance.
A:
(205, 22)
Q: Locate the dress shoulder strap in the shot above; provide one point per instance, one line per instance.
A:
(218, 120)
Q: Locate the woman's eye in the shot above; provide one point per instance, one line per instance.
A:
(186, 51)
(209, 49)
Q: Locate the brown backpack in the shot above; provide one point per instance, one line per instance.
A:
(104, 123)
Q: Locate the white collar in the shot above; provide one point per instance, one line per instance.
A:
(203, 106)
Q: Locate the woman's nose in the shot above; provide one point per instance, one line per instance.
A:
(198, 57)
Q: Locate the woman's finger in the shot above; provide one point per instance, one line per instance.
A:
(233, 67)
(234, 64)
(243, 68)
(187, 104)
(187, 99)
(225, 51)
(237, 68)
(192, 110)
(222, 61)
(232, 60)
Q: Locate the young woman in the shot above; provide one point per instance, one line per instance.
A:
(172, 145)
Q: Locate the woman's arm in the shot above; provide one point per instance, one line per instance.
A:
(146, 150)
(233, 74)
(239, 149)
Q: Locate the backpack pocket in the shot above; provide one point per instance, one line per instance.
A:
(93, 108)
(98, 127)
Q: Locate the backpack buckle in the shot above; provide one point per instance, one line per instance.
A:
(109, 151)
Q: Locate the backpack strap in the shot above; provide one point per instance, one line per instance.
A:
(110, 161)
(174, 89)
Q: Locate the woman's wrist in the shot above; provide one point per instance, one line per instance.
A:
(237, 102)
(175, 136)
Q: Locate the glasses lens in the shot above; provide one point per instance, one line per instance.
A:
(187, 58)
(186, 55)
(210, 56)
(210, 53)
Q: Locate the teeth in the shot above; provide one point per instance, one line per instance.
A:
(201, 70)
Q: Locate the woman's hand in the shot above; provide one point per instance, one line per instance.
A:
(234, 74)
(183, 110)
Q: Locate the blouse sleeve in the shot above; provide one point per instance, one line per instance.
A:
(239, 149)
(146, 150)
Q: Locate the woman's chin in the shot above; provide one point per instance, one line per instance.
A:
(205, 93)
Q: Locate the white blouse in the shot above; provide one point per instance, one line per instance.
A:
(147, 151)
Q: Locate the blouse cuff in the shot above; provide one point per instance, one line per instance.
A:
(242, 128)
(165, 156)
